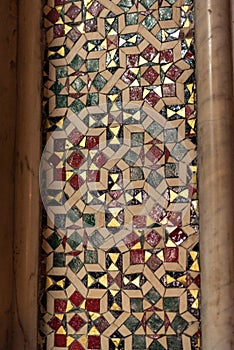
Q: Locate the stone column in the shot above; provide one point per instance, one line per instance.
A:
(27, 158)
(216, 159)
(8, 21)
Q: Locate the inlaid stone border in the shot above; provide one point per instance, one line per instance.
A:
(216, 151)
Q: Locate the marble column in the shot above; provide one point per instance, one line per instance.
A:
(27, 198)
(8, 22)
(216, 158)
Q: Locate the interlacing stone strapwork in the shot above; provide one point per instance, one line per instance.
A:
(120, 253)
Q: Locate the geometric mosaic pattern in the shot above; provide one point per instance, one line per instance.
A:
(120, 242)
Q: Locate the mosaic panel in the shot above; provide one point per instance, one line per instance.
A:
(120, 254)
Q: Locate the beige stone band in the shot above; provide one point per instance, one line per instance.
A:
(216, 159)
(216, 155)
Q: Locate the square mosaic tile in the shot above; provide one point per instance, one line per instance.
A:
(120, 242)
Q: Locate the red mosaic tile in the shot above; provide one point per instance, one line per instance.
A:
(153, 238)
(154, 262)
(101, 324)
(74, 34)
(75, 137)
(91, 25)
(129, 77)
(94, 342)
(169, 90)
(137, 257)
(174, 218)
(166, 56)
(100, 159)
(171, 254)
(150, 75)
(174, 72)
(178, 235)
(76, 346)
(60, 306)
(60, 2)
(93, 176)
(154, 154)
(54, 160)
(92, 142)
(157, 213)
(75, 160)
(76, 298)
(76, 322)
(53, 16)
(55, 323)
(152, 98)
(59, 174)
(93, 305)
(132, 60)
(73, 11)
(139, 221)
(136, 93)
(96, 8)
(60, 340)
(149, 53)
(131, 239)
(76, 181)
(59, 31)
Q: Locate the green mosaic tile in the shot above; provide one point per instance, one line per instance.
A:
(155, 345)
(171, 170)
(148, 3)
(89, 220)
(74, 214)
(56, 87)
(99, 82)
(54, 240)
(137, 139)
(179, 324)
(154, 179)
(75, 265)
(78, 84)
(74, 240)
(178, 151)
(149, 22)
(77, 106)
(136, 173)
(152, 296)
(132, 324)
(130, 157)
(155, 323)
(60, 220)
(92, 99)
(77, 62)
(96, 239)
(175, 343)
(61, 72)
(165, 13)
(136, 304)
(170, 135)
(171, 304)
(61, 101)
(139, 342)
(59, 260)
(154, 129)
(92, 65)
(91, 257)
(131, 18)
